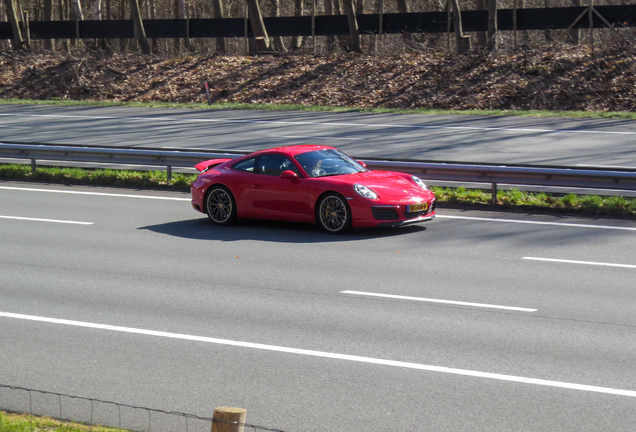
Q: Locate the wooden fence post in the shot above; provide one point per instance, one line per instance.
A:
(231, 419)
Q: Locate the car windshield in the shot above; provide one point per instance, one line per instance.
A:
(328, 162)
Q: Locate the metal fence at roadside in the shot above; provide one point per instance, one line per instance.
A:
(94, 412)
(494, 175)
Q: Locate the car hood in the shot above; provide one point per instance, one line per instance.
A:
(391, 186)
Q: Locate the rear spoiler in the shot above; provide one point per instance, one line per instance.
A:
(206, 165)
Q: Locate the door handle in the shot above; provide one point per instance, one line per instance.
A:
(255, 186)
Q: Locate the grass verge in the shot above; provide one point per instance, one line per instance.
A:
(279, 107)
(27, 423)
(587, 205)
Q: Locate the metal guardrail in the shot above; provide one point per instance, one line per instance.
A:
(439, 171)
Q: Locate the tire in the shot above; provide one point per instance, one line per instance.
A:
(220, 205)
(333, 213)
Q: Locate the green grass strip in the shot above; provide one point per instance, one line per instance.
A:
(273, 107)
(97, 177)
(588, 205)
(27, 423)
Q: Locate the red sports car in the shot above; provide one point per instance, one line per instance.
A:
(309, 183)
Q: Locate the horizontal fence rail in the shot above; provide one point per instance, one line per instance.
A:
(618, 16)
(93, 411)
(428, 170)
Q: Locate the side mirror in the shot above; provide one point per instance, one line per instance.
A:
(362, 163)
(289, 175)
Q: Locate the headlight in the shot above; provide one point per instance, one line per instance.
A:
(365, 191)
(419, 182)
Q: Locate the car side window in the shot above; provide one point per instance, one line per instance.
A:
(275, 164)
(246, 165)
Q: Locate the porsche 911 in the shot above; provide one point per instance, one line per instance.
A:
(309, 183)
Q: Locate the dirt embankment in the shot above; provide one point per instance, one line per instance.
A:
(544, 78)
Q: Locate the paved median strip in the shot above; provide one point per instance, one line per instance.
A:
(330, 355)
(430, 300)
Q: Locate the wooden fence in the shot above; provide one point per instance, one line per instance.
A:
(326, 25)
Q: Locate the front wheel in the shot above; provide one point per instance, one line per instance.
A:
(333, 213)
(220, 205)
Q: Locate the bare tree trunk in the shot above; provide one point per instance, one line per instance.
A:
(278, 40)
(337, 9)
(463, 42)
(574, 36)
(329, 11)
(78, 15)
(49, 44)
(122, 16)
(64, 14)
(177, 41)
(183, 14)
(297, 41)
(492, 25)
(152, 6)
(258, 26)
(482, 38)
(97, 10)
(97, 15)
(140, 33)
(547, 32)
(403, 7)
(12, 16)
(23, 17)
(77, 10)
(354, 33)
(217, 8)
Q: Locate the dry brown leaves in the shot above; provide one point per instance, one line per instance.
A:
(567, 78)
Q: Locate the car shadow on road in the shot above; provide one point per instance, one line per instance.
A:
(272, 231)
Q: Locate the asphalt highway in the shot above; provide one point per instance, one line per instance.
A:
(600, 143)
(472, 322)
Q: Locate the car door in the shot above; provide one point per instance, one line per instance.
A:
(276, 198)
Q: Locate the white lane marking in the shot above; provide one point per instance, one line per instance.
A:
(429, 300)
(317, 123)
(94, 193)
(572, 225)
(330, 355)
(317, 137)
(45, 220)
(606, 166)
(580, 262)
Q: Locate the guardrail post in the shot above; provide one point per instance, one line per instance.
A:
(494, 194)
(33, 167)
(168, 174)
(228, 419)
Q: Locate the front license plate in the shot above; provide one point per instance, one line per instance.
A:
(417, 207)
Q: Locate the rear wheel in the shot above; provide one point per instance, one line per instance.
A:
(334, 215)
(220, 205)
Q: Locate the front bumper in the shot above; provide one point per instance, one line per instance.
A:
(426, 218)
(387, 214)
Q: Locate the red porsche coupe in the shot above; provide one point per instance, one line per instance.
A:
(309, 183)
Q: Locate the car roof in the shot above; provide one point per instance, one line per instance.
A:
(294, 150)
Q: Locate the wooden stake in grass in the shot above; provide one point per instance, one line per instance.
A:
(229, 419)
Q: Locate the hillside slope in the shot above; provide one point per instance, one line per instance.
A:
(545, 78)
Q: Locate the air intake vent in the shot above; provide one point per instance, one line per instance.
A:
(384, 213)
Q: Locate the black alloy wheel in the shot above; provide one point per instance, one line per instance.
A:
(333, 213)
(220, 205)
